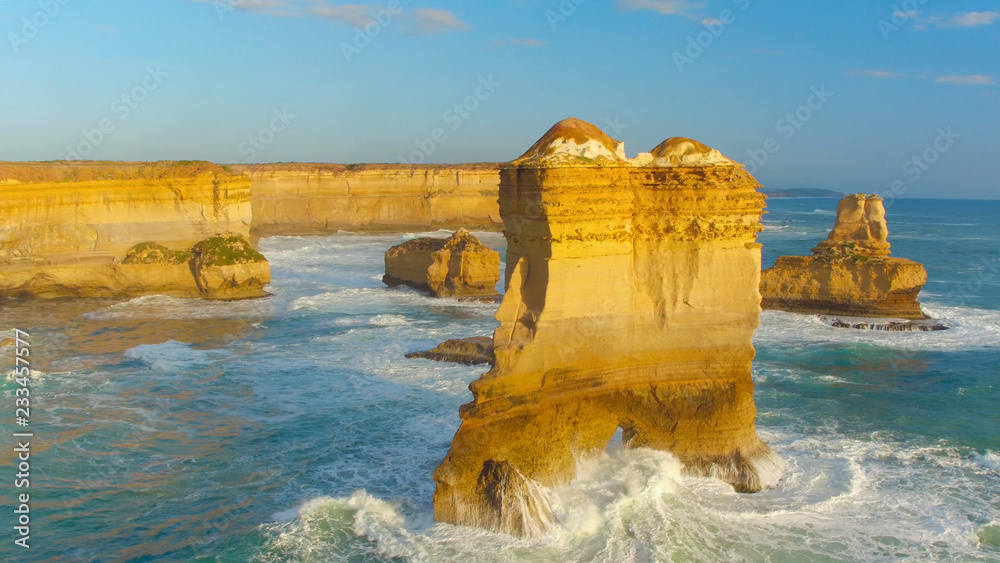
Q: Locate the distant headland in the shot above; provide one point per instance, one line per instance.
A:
(805, 192)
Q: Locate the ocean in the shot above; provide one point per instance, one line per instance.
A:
(293, 429)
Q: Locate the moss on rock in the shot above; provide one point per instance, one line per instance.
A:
(153, 253)
(226, 250)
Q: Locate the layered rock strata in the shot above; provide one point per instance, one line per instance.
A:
(460, 266)
(75, 229)
(631, 303)
(309, 199)
(850, 273)
(467, 351)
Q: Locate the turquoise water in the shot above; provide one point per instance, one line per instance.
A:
(292, 428)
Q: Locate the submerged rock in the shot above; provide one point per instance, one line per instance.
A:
(889, 325)
(631, 303)
(460, 266)
(850, 273)
(468, 351)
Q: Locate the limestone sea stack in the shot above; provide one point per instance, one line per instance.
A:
(85, 229)
(631, 302)
(850, 273)
(460, 266)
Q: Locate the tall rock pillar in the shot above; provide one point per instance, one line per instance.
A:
(632, 298)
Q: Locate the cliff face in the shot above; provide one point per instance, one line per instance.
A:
(460, 266)
(850, 273)
(64, 226)
(632, 298)
(290, 199)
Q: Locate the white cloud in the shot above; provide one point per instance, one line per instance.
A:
(966, 80)
(949, 21)
(425, 21)
(527, 42)
(665, 7)
(421, 21)
(875, 73)
(351, 14)
(973, 19)
(280, 8)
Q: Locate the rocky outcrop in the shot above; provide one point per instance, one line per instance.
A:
(224, 267)
(228, 267)
(460, 266)
(631, 303)
(888, 325)
(467, 351)
(309, 199)
(850, 273)
(82, 229)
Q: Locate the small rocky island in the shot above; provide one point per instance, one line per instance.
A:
(850, 273)
(460, 266)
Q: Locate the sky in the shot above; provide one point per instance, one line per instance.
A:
(885, 96)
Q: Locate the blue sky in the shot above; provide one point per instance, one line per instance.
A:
(850, 95)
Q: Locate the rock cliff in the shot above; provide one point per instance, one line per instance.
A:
(460, 266)
(79, 228)
(631, 303)
(850, 273)
(309, 199)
